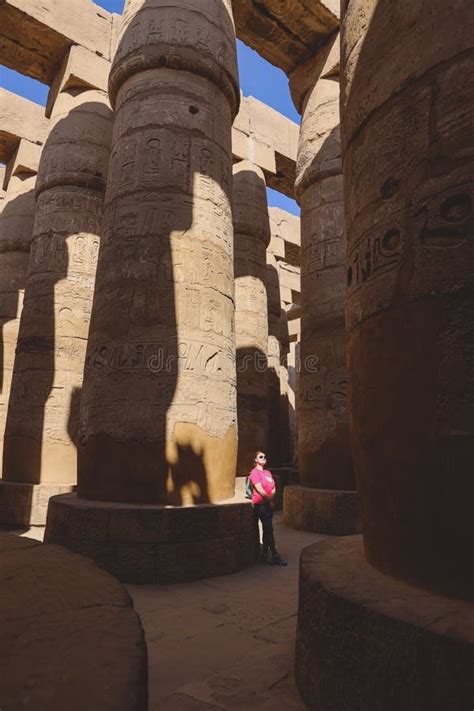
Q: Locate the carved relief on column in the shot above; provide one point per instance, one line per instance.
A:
(16, 232)
(251, 239)
(273, 359)
(159, 398)
(325, 459)
(409, 195)
(40, 434)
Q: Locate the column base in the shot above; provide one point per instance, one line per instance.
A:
(70, 636)
(25, 505)
(157, 544)
(368, 642)
(322, 510)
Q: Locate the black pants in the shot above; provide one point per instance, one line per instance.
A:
(264, 513)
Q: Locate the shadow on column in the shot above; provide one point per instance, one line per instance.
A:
(58, 218)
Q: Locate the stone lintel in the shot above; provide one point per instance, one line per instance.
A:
(19, 118)
(294, 330)
(286, 225)
(80, 68)
(25, 160)
(37, 35)
(322, 510)
(157, 544)
(268, 139)
(27, 504)
(289, 36)
(286, 236)
(369, 642)
(244, 147)
(289, 276)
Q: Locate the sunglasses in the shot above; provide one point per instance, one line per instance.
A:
(261, 456)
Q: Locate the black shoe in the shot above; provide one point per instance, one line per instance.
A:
(265, 557)
(278, 560)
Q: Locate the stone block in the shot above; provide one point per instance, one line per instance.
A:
(90, 524)
(285, 36)
(229, 520)
(26, 504)
(156, 544)
(25, 159)
(168, 564)
(136, 562)
(270, 127)
(294, 329)
(186, 527)
(270, 140)
(19, 118)
(36, 36)
(285, 225)
(80, 68)
(322, 510)
(289, 276)
(142, 527)
(244, 147)
(368, 642)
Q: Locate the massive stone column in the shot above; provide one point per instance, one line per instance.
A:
(158, 411)
(326, 502)
(41, 429)
(2, 190)
(408, 152)
(273, 360)
(251, 239)
(16, 232)
(407, 118)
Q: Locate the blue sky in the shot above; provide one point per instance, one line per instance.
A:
(257, 78)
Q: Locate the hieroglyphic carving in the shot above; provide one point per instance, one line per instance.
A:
(49, 363)
(16, 232)
(408, 152)
(251, 239)
(323, 432)
(161, 364)
(435, 226)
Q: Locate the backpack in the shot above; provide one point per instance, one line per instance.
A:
(248, 488)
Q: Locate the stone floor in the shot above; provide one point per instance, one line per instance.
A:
(225, 643)
(228, 642)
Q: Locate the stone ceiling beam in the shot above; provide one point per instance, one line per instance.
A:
(35, 36)
(268, 139)
(260, 134)
(19, 118)
(286, 32)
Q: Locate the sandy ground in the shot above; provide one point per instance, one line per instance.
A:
(228, 642)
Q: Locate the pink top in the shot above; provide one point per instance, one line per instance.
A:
(263, 477)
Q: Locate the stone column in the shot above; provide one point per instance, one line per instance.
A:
(326, 501)
(409, 192)
(251, 239)
(158, 411)
(16, 232)
(407, 118)
(41, 429)
(2, 190)
(273, 359)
